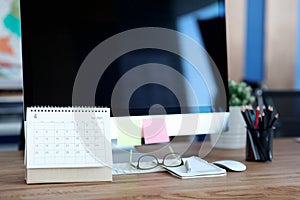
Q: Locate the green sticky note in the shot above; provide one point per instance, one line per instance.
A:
(129, 132)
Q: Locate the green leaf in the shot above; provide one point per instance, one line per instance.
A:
(240, 93)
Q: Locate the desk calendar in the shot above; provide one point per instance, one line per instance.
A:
(68, 144)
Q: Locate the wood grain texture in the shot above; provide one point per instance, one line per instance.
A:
(279, 179)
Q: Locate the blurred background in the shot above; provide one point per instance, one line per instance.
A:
(263, 48)
(262, 42)
(11, 108)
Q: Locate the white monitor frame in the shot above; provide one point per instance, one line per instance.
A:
(177, 124)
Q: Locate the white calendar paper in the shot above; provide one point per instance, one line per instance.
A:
(68, 137)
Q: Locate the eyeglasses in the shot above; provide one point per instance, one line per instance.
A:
(146, 162)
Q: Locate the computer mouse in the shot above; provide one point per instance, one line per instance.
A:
(231, 165)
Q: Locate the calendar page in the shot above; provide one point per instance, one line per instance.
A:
(68, 137)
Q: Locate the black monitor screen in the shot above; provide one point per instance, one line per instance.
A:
(58, 36)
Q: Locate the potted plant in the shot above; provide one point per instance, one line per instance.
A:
(240, 94)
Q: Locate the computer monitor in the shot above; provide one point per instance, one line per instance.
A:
(163, 60)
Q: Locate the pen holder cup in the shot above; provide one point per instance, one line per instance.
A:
(259, 145)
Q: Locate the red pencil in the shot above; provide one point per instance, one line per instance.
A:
(256, 117)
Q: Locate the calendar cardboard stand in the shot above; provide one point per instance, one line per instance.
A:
(67, 145)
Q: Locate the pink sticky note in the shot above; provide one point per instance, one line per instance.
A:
(154, 131)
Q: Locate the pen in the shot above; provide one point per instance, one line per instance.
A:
(269, 112)
(273, 120)
(260, 101)
(188, 167)
(263, 122)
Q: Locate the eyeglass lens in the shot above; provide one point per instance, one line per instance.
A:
(150, 161)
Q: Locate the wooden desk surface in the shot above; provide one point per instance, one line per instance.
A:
(277, 179)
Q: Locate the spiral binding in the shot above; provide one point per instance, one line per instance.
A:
(71, 109)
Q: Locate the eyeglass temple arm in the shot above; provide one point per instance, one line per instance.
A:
(130, 156)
